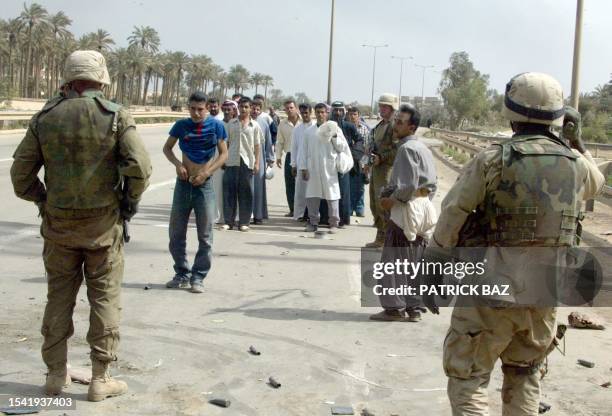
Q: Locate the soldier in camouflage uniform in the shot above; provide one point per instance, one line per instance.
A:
(525, 192)
(87, 145)
(383, 148)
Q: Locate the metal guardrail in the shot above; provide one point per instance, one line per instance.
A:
(26, 115)
(494, 139)
(452, 139)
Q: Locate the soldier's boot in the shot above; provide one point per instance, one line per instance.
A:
(379, 242)
(520, 391)
(57, 379)
(102, 384)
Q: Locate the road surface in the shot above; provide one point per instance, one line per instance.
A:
(294, 298)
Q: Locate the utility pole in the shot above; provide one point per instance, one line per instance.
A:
(424, 68)
(577, 47)
(373, 73)
(401, 59)
(331, 52)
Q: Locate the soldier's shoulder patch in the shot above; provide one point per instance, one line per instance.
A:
(109, 106)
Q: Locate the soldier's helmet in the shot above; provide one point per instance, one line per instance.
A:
(86, 65)
(533, 97)
(389, 99)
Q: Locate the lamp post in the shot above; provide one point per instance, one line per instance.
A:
(331, 50)
(373, 72)
(424, 68)
(576, 63)
(401, 59)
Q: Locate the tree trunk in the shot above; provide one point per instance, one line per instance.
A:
(178, 85)
(155, 90)
(28, 62)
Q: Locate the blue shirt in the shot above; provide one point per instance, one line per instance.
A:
(198, 140)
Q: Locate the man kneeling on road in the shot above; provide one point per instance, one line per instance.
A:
(412, 215)
(198, 138)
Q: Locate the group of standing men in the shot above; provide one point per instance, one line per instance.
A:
(524, 192)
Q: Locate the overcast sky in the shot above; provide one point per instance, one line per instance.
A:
(289, 40)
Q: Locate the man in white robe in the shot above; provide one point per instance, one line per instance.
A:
(317, 163)
(297, 146)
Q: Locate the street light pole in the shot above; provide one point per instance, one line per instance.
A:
(424, 68)
(577, 47)
(373, 73)
(331, 50)
(401, 59)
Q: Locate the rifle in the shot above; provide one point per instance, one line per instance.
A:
(124, 199)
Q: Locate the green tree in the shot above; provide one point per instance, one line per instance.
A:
(59, 23)
(301, 97)
(257, 79)
(268, 81)
(31, 17)
(276, 97)
(239, 78)
(145, 37)
(464, 91)
(147, 40)
(99, 40)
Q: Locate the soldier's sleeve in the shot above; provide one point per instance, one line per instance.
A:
(594, 179)
(135, 164)
(27, 162)
(389, 150)
(466, 195)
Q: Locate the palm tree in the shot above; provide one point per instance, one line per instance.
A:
(136, 62)
(200, 73)
(31, 17)
(267, 82)
(101, 40)
(257, 79)
(13, 27)
(145, 37)
(118, 66)
(180, 60)
(238, 77)
(59, 23)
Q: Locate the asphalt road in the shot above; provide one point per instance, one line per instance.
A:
(294, 298)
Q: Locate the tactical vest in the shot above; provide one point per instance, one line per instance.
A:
(537, 201)
(78, 139)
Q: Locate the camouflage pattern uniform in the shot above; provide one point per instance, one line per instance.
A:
(86, 145)
(525, 192)
(386, 147)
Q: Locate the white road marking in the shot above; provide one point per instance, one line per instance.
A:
(7, 160)
(160, 184)
(25, 233)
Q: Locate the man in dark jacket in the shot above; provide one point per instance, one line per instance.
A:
(356, 143)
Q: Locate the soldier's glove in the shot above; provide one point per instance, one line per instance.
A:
(572, 129)
(128, 208)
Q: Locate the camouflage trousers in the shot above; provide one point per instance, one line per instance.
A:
(477, 337)
(82, 244)
(379, 178)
